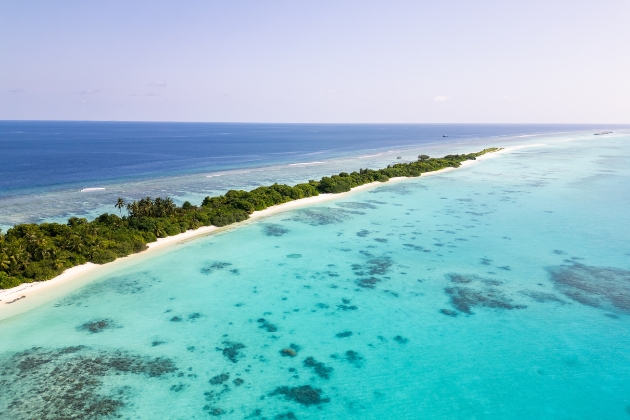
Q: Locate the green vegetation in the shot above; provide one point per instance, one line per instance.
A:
(36, 252)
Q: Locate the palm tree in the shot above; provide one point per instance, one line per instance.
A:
(159, 231)
(158, 207)
(36, 245)
(74, 243)
(18, 258)
(59, 263)
(5, 262)
(169, 206)
(120, 204)
(145, 207)
(132, 208)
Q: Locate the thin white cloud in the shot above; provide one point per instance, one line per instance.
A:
(87, 92)
(145, 94)
(441, 98)
(157, 84)
(18, 90)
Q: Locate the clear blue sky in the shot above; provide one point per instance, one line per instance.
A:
(318, 61)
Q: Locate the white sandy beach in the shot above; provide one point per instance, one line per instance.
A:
(29, 295)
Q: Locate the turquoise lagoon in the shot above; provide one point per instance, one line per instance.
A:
(501, 290)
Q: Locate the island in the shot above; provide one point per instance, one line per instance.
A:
(37, 252)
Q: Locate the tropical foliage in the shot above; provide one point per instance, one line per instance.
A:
(36, 252)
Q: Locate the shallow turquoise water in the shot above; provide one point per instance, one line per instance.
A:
(497, 291)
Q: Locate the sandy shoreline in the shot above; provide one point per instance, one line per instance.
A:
(20, 298)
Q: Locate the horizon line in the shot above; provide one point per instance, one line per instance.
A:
(319, 123)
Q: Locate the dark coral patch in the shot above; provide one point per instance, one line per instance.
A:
(346, 307)
(266, 325)
(210, 396)
(69, 383)
(305, 394)
(133, 364)
(256, 413)
(400, 189)
(215, 266)
(323, 216)
(414, 247)
(401, 340)
(477, 292)
(465, 298)
(343, 334)
(272, 229)
(462, 279)
(354, 358)
(492, 282)
(449, 312)
(379, 266)
(368, 283)
(600, 287)
(319, 368)
(97, 326)
(178, 388)
(232, 351)
(375, 266)
(356, 205)
(214, 411)
(219, 379)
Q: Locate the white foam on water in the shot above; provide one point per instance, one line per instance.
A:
(306, 163)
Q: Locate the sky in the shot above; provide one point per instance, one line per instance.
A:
(320, 61)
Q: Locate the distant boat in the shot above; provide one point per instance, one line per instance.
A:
(601, 133)
(444, 135)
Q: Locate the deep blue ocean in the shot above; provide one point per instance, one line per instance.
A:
(499, 290)
(37, 156)
(52, 170)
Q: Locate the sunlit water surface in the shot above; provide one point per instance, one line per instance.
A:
(501, 290)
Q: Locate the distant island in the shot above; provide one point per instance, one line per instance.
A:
(38, 252)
